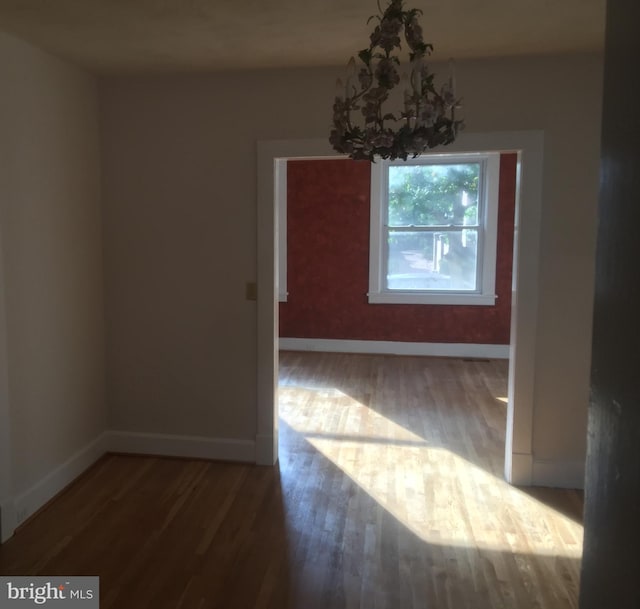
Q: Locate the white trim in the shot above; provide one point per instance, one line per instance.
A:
(266, 446)
(378, 185)
(559, 474)
(518, 468)
(280, 194)
(524, 318)
(524, 298)
(195, 447)
(490, 237)
(395, 348)
(435, 298)
(31, 500)
(487, 233)
(268, 154)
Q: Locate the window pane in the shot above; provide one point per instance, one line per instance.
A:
(433, 195)
(436, 260)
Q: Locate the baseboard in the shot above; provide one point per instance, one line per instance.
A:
(383, 347)
(559, 474)
(30, 501)
(15, 510)
(195, 447)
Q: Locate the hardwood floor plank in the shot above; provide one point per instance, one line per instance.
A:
(388, 493)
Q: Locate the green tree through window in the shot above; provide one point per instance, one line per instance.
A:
(431, 195)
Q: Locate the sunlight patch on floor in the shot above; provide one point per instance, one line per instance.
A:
(440, 495)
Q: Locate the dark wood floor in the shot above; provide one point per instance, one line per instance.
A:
(388, 494)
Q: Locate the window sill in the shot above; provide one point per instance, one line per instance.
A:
(398, 297)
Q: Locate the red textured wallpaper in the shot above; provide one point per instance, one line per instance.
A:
(328, 265)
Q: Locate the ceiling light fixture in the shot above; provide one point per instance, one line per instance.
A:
(428, 118)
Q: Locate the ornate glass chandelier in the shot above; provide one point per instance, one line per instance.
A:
(428, 117)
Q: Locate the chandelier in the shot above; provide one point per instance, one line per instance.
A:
(428, 116)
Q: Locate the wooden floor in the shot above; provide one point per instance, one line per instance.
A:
(389, 494)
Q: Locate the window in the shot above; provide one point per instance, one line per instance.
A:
(434, 229)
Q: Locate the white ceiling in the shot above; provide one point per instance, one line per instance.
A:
(178, 35)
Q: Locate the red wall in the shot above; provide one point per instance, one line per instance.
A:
(328, 265)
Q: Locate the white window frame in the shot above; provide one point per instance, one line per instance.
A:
(487, 237)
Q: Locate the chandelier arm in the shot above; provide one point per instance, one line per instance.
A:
(434, 123)
(351, 101)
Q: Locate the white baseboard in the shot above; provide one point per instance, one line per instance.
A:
(395, 348)
(14, 510)
(30, 501)
(194, 447)
(524, 470)
(559, 474)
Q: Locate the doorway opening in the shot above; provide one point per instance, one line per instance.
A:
(272, 157)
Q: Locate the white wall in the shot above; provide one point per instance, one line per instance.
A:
(179, 162)
(52, 290)
(563, 98)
